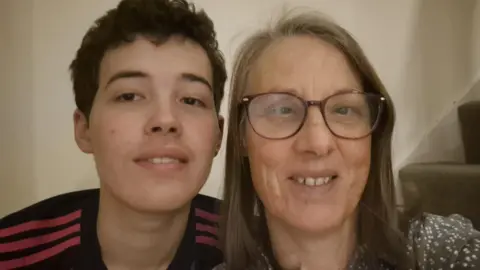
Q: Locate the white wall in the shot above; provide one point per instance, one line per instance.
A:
(422, 50)
(476, 37)
(443, 142)
(18, 183)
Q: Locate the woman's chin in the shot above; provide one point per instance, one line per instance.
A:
(315, 220)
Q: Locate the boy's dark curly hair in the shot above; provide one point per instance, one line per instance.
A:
(156, 20)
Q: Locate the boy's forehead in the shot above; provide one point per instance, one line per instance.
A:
(172, 57)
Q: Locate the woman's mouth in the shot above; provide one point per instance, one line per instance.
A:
(314, 181)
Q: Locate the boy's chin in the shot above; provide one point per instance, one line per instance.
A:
(158, 200)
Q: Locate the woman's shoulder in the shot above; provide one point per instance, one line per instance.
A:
(444, 241)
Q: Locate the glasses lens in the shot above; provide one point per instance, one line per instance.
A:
(352, 115)
(276, 115)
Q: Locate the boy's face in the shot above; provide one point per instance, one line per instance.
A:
(153, 128)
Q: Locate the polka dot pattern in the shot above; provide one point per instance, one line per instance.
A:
(436, 243)
(439, 242)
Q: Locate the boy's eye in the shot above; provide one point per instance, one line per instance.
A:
(193, 101)
(128, 97)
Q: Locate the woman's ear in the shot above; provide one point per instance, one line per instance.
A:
(243, 137)
(243, 145)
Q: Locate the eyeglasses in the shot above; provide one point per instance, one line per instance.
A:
(280, 115)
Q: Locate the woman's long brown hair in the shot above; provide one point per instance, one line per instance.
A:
(245, 238)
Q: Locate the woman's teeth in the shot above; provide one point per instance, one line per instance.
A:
(313, 181)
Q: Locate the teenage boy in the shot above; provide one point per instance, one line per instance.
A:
(148, 80)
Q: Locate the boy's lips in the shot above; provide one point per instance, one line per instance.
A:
(163, 156)
(163, 160)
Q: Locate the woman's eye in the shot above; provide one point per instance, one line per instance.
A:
(279, 110)
(128, 97)
(193, 101)
(285, 110)
(343, 110)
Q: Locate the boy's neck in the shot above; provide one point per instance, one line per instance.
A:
(140, 241)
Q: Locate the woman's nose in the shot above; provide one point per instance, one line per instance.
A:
(315, 137)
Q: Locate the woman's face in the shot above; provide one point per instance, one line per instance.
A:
(313, 180)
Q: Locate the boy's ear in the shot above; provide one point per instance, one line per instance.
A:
(221, 124)
(82, 132)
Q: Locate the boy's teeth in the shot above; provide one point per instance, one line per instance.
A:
(311, 181)
(163, 160)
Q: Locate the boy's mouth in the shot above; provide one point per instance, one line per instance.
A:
(166, 155)
(165, 160)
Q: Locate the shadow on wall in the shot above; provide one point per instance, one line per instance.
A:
(476, 37)
(438, 74)
(16, 106)
(444, 143)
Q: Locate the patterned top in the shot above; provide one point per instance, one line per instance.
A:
(439, 243)
(60, 233)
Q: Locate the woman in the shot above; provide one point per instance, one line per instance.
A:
(309, 181)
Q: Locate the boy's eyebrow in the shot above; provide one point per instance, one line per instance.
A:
(139, 74)
(196, 78)
(126, 74)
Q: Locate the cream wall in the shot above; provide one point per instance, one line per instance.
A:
(443, 142)
(18, 184)
(421, 49)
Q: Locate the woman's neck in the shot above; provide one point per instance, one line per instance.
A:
(141, 241)
(294, 249)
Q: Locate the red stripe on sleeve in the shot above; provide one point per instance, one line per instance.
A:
(40, 224)
(40, 256)
(38, 240)
(206, 215)
(204, 228)
(204, 240)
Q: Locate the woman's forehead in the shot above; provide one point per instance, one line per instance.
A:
(302, 62)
